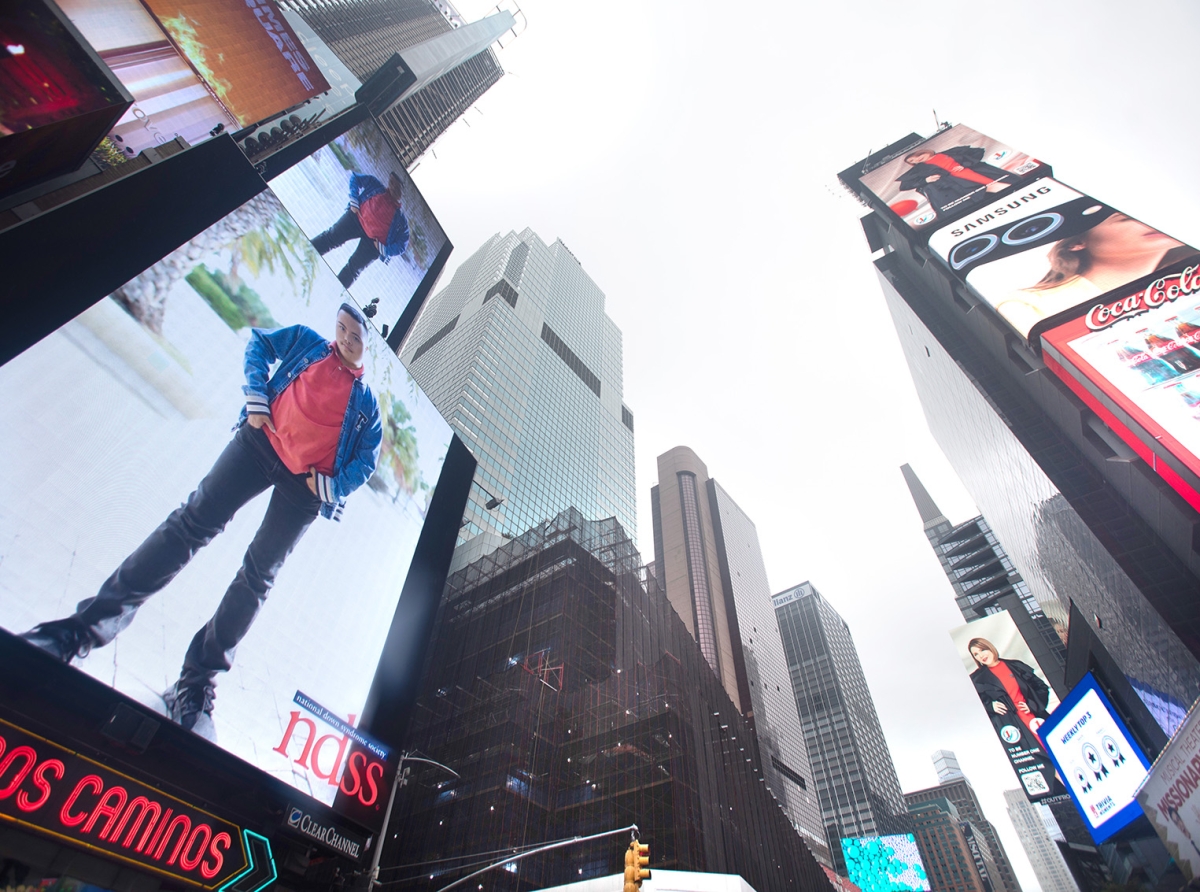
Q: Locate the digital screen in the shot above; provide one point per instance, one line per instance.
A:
(948, 175)
(1043, 249)
(58, 100)
(1014, 692)
(170, 100)
(1141, 351)
(365, 215)
(245, 51)
(209, 480)
(1097, 758)
(885, 863)
(1170, 798)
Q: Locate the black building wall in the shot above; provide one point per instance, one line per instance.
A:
(571, 699)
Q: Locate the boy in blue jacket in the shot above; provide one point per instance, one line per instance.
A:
(311, 433)
(373, 216)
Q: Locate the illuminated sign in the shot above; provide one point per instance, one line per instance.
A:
(885, 863)
(321, 830)
(1015, 694)
(1171, 792)
(1134, 360)
(46, 787)
(1097, 758)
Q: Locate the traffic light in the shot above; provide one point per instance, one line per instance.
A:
(637, 857)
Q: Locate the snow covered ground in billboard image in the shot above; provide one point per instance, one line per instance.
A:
(113, 420)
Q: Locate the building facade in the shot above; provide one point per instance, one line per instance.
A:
(364, 34)
(519, 356)
(958, 791)
(985, 581)
(709, 562)
(1030, 822)
(569, 697)
(856, 780)
(956, 860)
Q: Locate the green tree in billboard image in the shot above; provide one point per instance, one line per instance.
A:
(318, 497)
(885, 864)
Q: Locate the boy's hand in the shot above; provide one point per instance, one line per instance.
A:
(257, 421)
(311, 480)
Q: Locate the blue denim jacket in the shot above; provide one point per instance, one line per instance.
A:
(295, 348)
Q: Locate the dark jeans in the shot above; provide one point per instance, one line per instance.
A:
(246, 467)
(346, 228)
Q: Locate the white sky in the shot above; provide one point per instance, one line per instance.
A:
(687, 154)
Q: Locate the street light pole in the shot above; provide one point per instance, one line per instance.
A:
(398, 781)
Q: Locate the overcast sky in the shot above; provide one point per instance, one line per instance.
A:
(687, 152)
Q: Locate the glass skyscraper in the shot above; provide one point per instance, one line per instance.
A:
(519, 356)
(857, 785)
(1030, 823)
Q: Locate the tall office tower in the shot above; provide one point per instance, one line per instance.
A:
(571, 700)
(1030, 823)
(985, 581)
(364, 34)
(857, 786)
(519, 356)
(946, 765)
(959, 791)
(1092, 509)
(956, 858)
(708, 559)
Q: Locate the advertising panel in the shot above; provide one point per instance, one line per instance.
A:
(316, 498)
(1015, 694)
(1169, 796)
(885, 863)
(365, 215)
(1135, 359)
(1099, 760)
(949, 175)
(170, 100)
(245, 51)
(58, 99)
(1044, 249)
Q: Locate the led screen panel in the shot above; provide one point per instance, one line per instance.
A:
(245, 51)
(1045, 249)
(1170, 796)
(1134, 360)
(170, 100)
(949, 175)
(120, 414)
(57, 99)
(365, 215)
(885, 863)
(1097, 757)
(1015, 694)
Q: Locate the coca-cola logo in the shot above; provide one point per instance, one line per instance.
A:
(1161, 291)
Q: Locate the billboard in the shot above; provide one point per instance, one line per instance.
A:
(316, 498)
(1169, 797)
(1100, 762)
(365, 215)
(169, 99)
(949, 175)
(1044, 249)
(1014, 692)
(885, 863)
(245, 51)
(1134, 359)
(58, 97)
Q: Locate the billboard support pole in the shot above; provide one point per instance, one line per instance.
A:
(398, 781)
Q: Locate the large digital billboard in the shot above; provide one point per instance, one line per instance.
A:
(1097, 757)
(140, 536)
(1045, 249)
(365, 215)
(1015, 694)
(245, 51)
(1134, 359)
(885, 863)
(170, 100)
(1170, 799)
(948, 175)
(57, 99)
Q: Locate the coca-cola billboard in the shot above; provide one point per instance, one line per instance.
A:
(1134, 360)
